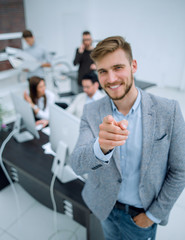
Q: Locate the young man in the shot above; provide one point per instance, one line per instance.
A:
(82, 57)
(91, 93)
(131, 144)
(37, 52)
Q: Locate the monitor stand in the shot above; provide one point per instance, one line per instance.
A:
(21, 136)
(63, 172)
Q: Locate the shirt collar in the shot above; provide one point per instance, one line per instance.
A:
(134, 107)
(95, 96)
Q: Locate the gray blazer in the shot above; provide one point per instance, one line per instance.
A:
(162, 170)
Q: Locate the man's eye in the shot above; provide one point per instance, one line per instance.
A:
(118, 67)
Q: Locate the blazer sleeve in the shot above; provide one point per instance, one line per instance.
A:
(83, 159)
(174, 182)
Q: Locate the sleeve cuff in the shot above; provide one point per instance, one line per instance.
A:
(154, 219)
(99, 154)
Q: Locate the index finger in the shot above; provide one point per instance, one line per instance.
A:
(109, 120)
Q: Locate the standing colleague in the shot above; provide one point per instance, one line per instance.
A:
(39, 98)
(37, 52)
(82, 57)
(131, 144)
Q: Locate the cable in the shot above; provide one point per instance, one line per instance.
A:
(4, 169)
(56, 234)
(53, 200)
(52, 193)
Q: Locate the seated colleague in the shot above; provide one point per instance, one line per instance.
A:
(91, 93)
(39, 97)
(37, 52)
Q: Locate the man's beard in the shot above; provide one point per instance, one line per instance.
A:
(127, 89)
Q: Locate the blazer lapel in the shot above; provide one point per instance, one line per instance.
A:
(116, 157)
(105, 108)
(149, 121)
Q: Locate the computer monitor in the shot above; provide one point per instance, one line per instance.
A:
(24, 114)
(64, 132)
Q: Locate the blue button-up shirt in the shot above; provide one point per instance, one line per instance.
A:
(130, 156)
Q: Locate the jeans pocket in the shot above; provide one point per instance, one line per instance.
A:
(144, 229)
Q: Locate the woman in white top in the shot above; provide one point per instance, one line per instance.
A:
(39, 97)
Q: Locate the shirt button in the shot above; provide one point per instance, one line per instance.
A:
(119, 180)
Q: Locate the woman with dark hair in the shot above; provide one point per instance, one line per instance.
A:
(39, 97)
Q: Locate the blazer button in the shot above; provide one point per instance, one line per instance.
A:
(119, 180)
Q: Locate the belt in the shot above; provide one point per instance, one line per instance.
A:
(131, 210)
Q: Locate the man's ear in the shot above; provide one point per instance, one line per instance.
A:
(134, 66)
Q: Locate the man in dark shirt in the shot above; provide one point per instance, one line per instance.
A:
(82, 56)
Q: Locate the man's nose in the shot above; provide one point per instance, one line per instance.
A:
(111, 77)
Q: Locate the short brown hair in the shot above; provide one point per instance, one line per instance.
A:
(27, 33)
(109, 45)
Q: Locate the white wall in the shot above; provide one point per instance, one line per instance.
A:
(57, 24)
(155, 30)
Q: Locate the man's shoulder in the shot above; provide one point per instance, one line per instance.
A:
(95, 111)
(79, 99)
(94, 106)
(80, 96)
(159, 103)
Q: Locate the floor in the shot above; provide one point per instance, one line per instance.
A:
(31, 220)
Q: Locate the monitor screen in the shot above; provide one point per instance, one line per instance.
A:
(64, 131)
(63, 127)
(24, 110)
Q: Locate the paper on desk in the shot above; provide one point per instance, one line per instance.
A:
(38, 127)
(20, 59)
(18, 63)
(47, 149)
(46, 130)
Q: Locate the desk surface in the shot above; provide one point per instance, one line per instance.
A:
(30, 158)
(33, 169)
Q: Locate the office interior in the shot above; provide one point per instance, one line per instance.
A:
(155, 31)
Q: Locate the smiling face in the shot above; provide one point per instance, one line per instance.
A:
(115, 74)
(41, 87)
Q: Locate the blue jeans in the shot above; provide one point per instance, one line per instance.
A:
(120, 226)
